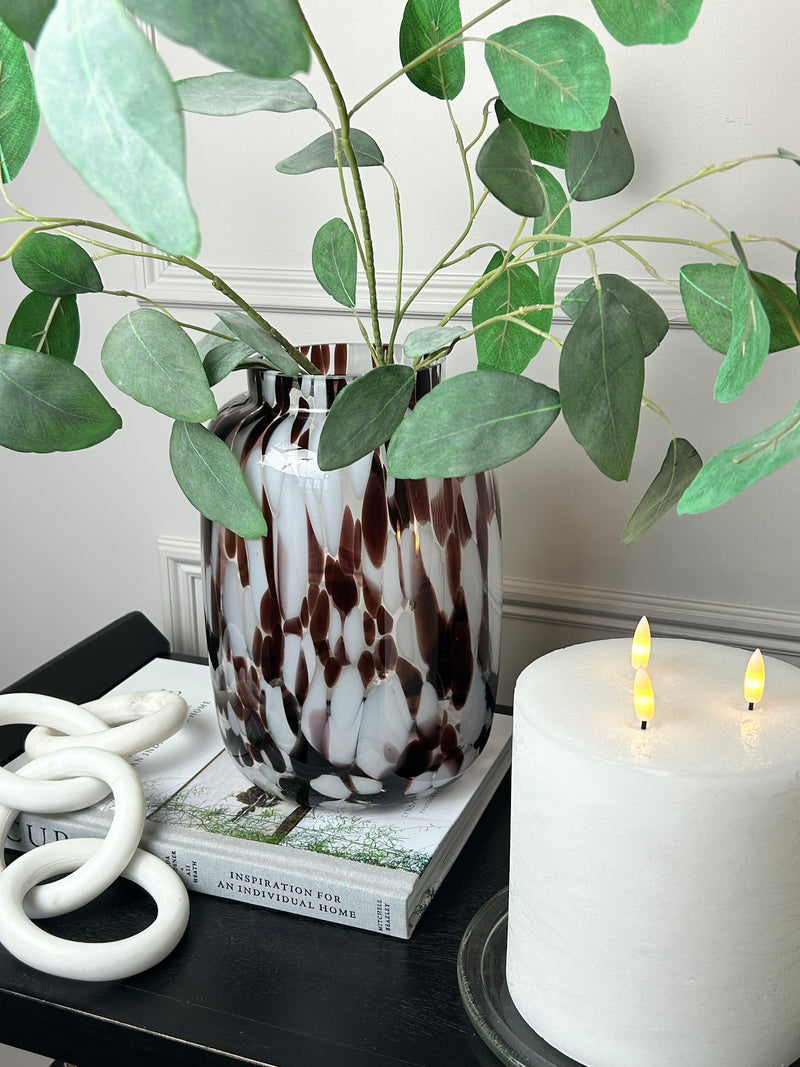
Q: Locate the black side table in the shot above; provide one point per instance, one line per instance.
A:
(248, 985)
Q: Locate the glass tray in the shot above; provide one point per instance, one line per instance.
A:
(482, 982)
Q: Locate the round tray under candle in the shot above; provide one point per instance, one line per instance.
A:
(482, 982)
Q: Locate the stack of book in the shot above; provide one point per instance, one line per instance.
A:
(372, 867)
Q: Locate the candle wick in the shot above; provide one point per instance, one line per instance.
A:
(751, 706)
(644, 724)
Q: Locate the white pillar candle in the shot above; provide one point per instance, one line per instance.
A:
(654, 898)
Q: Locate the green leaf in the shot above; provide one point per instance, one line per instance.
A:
(210, 476)
(509, 345)
(56, 265)
(749, 343)
(365, 415)
(545, 144)
(646, 316)
(551, 71)
(48, 405)
(114, 114)
(334, 260)
(260, 340)
(648, 21)
(19, 111)
(680, 467)
(470, 423)
(151, 358)
(737, 467)
(556, 218)
(599, 162)
(425, 23)
(231, 93)
(431, 339)
(321, 154)
(25, 18)
(601, 378)
(504, 166)
(224, 357)
(260, 37)
(707, 291)
(48, 324)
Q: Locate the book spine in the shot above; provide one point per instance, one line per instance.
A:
(286, 883)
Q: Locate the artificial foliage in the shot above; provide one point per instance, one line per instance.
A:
(551, 138)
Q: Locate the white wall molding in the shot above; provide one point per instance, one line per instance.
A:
(555, 614)
(182, 595)
(297, 291)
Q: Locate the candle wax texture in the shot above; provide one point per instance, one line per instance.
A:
(654, 898)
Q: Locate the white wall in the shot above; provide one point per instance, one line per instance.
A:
(79, 532)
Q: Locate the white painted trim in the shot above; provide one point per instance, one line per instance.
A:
(182, 595)
(604, 612)
(298, 292)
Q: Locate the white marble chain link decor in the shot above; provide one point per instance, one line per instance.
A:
(77, 757)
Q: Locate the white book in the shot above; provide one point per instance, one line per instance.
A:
(372, 867)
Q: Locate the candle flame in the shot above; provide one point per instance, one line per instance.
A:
(643, 697)
(754, 678)
(640, 648)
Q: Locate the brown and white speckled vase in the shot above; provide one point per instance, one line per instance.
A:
(354, 649)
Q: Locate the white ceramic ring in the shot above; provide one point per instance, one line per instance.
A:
(33, 708)
(103, 961)
(116, 848)
(146, 719)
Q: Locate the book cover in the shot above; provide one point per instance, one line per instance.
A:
(376, 868)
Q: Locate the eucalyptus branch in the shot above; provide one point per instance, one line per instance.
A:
(515, 317)
(337, 151)
(771, 442)
(483, 125)
(449, 41)
(350, 155)
(162, 307)
(400, 253)
(651, 404)
(48, 323)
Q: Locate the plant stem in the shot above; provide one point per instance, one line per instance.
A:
(350, 155)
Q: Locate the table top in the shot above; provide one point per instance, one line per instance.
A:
(247, 985)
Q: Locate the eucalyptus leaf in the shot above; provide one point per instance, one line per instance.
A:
(224, 357)
(556, 218)
(260, 340)
(739, 466)
(210, 476)
(749, 343)
(425, 23)
(231, 93)
(470, 423)
(645, 314)
(50, 405)
(679, 469)
(19, 110)
(601, 378)
(707, 291)
(599, 162)
(260, 37)
(509, 345)
(55, 265)
(114, 114)
(365, 415)
(25, 18)
(151, 358)
(334, 260)
(551, 71)
(648, 21)
(431, 339)
(321, 154)
(545, 144)
(504, 166)
(48, 324)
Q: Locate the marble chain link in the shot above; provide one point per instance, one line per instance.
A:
(77, 757)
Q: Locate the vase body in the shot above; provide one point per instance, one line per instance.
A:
(354, 650)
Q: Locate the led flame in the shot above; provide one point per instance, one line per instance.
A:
(754, 678)
(643, 697)
(640, 648)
